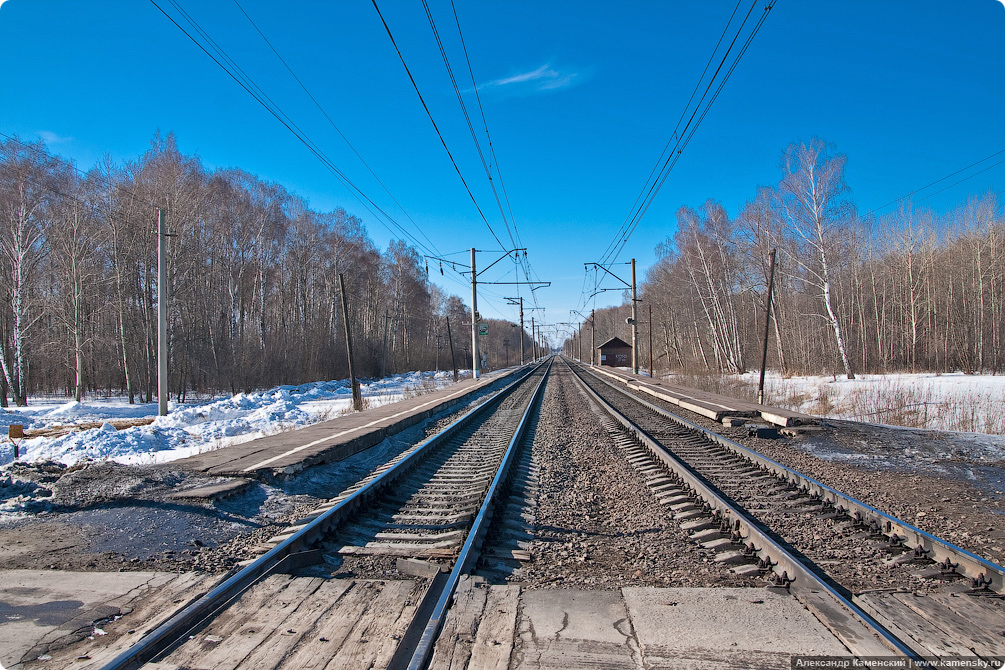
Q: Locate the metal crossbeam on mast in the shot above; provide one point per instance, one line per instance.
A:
(475, 317)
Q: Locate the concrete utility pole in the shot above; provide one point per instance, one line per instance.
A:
(357, 398)
(533, 339)
(450, 338)
(635, 326)
(474, 317)
(651, 374)
(593, 335)
(767, 322)
(162, 315)
(521, 331)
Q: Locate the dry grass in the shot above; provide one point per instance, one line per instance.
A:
(889, 401)
(903, 404)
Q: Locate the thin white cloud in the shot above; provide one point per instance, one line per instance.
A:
(50, 137)
(544, 78)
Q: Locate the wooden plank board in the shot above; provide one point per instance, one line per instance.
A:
(457, 637)
(919, 633)
(988, 613)
(372, 641)
(967, 632)
(860, 640)
(331, 615)
(246, 624)
(497, 630)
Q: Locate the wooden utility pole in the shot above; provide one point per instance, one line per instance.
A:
(474, 317)
(450, 338)
(635, 325)
(162, 315)
(767, 322)
(357, 399)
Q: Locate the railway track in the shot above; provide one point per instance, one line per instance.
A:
(797, 533)
(368, 579)
(426, 510)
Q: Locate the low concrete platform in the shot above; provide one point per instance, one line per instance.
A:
(44, 612)
(48, 620)
(710, 405)
(632, 628)
(286, 454)
(60, 619)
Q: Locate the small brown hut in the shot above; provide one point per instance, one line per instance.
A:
(615, 352)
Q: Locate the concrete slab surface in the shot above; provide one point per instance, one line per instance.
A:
(569, 628)
(680, 628)
(40, 609)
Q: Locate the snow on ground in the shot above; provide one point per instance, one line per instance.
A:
(952, 401)
(193, 427)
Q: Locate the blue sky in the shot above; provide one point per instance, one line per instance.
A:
(580, 98)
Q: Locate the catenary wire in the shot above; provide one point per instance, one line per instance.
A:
(435, 127)
(254, 91)
(673, 136)
(941, 179)
(635, 217)
(330, 121)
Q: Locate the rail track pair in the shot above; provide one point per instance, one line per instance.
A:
(435, 501)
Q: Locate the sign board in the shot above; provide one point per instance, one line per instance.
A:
(16, 431)
(483, 329)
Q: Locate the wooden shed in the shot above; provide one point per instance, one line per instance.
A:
(615, 352)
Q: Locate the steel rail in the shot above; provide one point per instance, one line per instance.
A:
(472, 545)
(193, 615)
(859, 631)
(983, 573)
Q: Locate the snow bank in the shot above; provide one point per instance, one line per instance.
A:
(192, 428)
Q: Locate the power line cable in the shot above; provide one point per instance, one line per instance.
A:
(673, 136)
(330, 121)
(467, 118)
(525, 264)
(941, 179)
(248, 84)
(685, 135)
(435, 127)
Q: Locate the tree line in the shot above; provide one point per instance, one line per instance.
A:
(252, 283)
(908, 291)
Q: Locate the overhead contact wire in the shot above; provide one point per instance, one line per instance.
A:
(435, 127)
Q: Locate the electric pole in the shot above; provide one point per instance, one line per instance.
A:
(474, 317)
(162, 315)
(767, 322)
(593, 335)
(633, 320)
(519, 301)
(533, 339)
(635, 326)
(357, 398)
